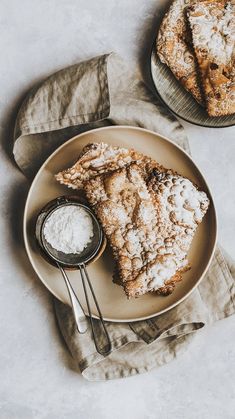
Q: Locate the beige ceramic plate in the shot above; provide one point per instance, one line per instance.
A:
(113, 302)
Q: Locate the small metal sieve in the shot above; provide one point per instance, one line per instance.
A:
(76, 261)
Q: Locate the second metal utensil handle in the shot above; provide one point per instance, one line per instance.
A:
(79, 315)
(106, 347)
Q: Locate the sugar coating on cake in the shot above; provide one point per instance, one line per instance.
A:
(98, 158)
(174, 47)
(213, 32)
(149, 226)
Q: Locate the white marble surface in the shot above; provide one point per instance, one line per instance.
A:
(38, 378)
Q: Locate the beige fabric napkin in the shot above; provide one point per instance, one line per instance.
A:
(99, 92)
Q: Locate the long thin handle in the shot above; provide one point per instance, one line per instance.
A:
(79, 315)
(106, 348)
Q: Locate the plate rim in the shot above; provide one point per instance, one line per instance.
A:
(117, 127)
(153, 57)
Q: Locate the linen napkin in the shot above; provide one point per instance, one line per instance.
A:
(99, 92)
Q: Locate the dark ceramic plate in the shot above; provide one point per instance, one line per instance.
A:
(180, 102)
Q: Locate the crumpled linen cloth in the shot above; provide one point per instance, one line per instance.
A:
(98, 92)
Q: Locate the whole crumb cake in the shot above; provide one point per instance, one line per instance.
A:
(174, 48)
(150, 227)
(213, 32)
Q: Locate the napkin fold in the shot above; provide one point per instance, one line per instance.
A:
(94, 93)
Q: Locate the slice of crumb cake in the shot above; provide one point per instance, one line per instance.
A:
(150, 228)
(175, 50)
(213, 32)
(98, 158)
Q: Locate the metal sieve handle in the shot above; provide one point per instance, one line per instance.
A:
(103, 344)
(79, 315)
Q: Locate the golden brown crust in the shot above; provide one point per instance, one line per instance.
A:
(125, 209)
(174, 48)
(98, 158)
(213, 32)
(165, 290)
(149, 228)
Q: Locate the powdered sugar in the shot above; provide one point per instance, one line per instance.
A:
(213, 30)
(145, 212)
(181, 208)
(159, 272)
(69, 229)
(95, 159)
(172, 32)
(173, 47)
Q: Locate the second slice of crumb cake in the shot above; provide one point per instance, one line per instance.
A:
(213, 33)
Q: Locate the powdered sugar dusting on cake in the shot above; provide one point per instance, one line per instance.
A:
(214, 30)
(181, 208)
(173, 29)
(174, 47)
(98, 158)
(213, 33)
(151, 236)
